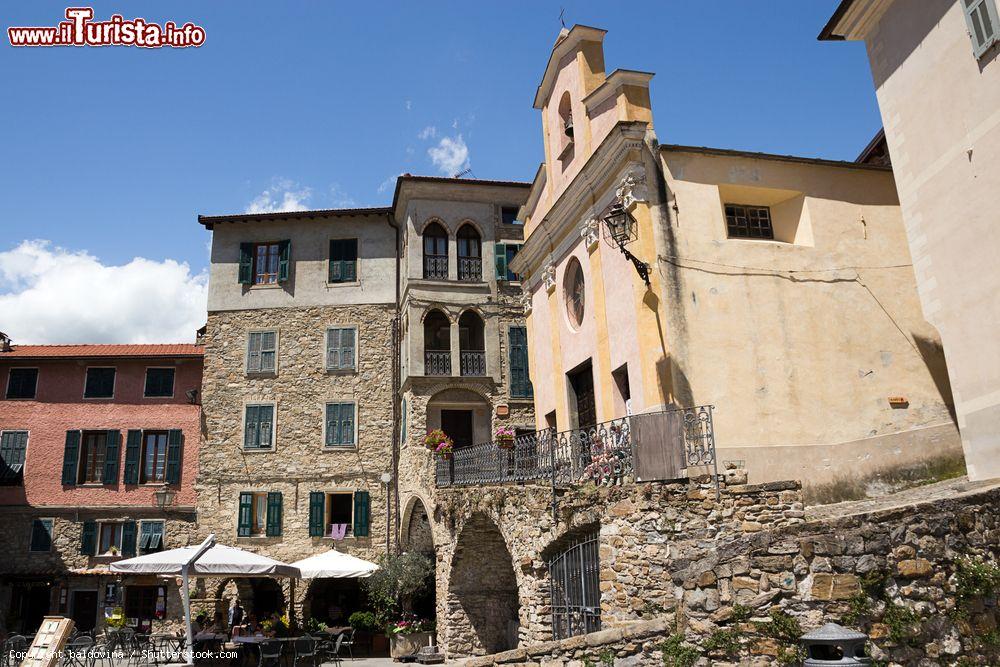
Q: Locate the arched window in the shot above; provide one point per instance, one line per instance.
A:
(470, 255)
(471, 343)
(435, 252)
(566, 116)
(437, 344)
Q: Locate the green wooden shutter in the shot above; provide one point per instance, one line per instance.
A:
(128, 539)
(336, 262)
(246, 263)
(347, 423)
(284, 253)
(175, 442)
(70, 456)
(349, 270)
(250, 427)
(347, 348)
(317, 507)
(88, 539)
(274, 514)
(133, 451)
(41, 535)
(245, 518)
(362, 513)
(500, 255)
(111, 455)
(520, 384)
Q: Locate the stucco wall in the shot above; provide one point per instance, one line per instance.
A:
(308, 274)
(60, 407)
(940, 111)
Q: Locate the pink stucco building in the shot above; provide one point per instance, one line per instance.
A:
(98, 458)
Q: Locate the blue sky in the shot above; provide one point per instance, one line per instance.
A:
(114, 151)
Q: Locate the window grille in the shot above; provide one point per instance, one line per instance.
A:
(574, 585)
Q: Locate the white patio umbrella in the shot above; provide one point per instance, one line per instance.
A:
(334, 564)
(206, 560)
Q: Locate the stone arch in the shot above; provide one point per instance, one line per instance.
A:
(433, 220)
(417, 531)
(228, 590)
(472, 223)
(482, 607)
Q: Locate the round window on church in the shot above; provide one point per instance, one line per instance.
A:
(573, 288)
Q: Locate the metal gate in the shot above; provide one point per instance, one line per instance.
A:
(574, 582)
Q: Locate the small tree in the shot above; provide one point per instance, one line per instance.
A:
(392, 587)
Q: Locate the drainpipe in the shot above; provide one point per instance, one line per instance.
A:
(396, 376)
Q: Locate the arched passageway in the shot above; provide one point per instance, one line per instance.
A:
(482, 605)
(417, 537)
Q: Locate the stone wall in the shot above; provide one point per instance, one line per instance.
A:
(638, 526)
(741, 598)
(299, 463)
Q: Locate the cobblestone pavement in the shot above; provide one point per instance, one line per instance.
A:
(951, 488)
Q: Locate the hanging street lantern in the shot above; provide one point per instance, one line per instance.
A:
(620, 229)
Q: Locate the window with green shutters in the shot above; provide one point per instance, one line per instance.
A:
(262, 351)
(88, 538)
(150, 537)
(41, 535)
(100, 383)
(244, 521)
(983, 23)
(340, 349)
(22, 383)
(504, 254)
(13, 447)
(340, 423)
(264, 263)
(273, 514)
(258, 430)
(129, 538)
(159, 383)
(343, 261)
(362, 513)
(520, 384)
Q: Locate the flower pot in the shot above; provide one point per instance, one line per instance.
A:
(402, 646)
(505, 443)
(444, 456)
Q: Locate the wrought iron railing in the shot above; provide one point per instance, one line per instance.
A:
(436, 266)
(437, 362)
(470, 269)
(605, 453)
(472, 362)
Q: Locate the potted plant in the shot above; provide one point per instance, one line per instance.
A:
(444, 449)
(408, 634)
(391, 591)
(504, 437)
(435, 439)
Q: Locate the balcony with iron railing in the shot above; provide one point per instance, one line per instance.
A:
(470, 269)
(436, 267)
(639, 448)
(437, 362)
(472, 362)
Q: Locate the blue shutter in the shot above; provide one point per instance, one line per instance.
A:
(175, 442)
(284, 254)
(317, 508)
(71, 454)
(88, 539)
(128, 539)
(111, 456)
(273, 514)
(246, 263)
(362, 513)
(245, 518)
(133, 451)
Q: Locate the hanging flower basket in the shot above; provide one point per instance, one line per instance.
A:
(504, 437)
(435, 438)
(444, 449)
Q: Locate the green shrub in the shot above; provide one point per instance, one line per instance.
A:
(678, 653)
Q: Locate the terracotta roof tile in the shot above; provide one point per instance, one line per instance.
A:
(91, 351)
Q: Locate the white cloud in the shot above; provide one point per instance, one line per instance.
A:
(428, 132)
(388, 183)
(339, 198)
(450, 156)
(56, 295)
(282, 195)
(409, 104)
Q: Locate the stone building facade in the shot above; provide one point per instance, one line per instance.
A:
(99, 447)
(298, 395)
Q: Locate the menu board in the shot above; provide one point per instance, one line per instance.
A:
(47, 647)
